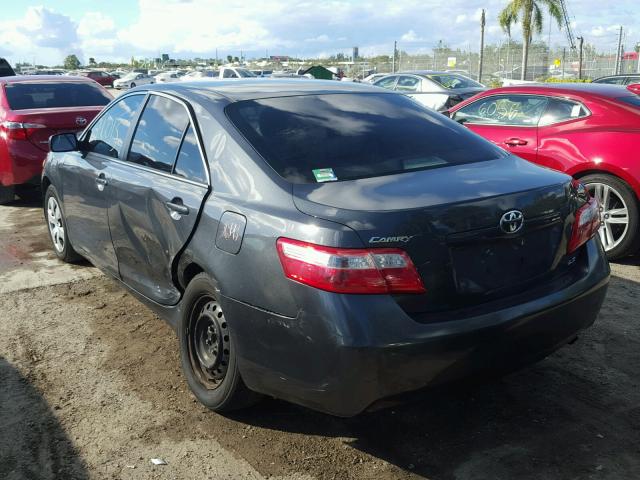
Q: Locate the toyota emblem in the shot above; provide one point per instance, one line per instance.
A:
(512, 221)
(81, 121)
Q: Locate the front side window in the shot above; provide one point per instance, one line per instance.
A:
(408, 84)
(514, 110)
(158, 134)
(559, 110)
(312, 138)
(108, 134)
(229, 74)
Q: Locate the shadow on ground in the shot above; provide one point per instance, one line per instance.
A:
(33, 444)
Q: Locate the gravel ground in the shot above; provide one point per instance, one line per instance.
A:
(90, 387)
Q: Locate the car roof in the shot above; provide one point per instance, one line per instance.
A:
(634, 74)
(45, 78)
(428, 72)
(598, 89)
(257, 88)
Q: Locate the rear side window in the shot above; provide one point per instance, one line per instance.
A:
(189, 163)
(159, 134)
(23, 96)
(559, 110)
(314, 138)
(387, 82)
(408, 84)
(108, 134)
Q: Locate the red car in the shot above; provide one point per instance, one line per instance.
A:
(589, 131)
(32, 108)
(102, 78)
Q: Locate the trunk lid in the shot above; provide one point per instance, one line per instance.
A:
(55, 120)
(448, 220)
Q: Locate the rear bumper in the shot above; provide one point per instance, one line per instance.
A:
(20, 162)
(344, 352)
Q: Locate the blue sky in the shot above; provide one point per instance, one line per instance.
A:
(47, 31)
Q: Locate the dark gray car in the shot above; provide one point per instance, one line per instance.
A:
(330, 244)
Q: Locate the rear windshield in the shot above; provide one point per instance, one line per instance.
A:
(632, 100)
(317, 138)
(22, 96)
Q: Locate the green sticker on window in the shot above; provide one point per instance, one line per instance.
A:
(324, 175)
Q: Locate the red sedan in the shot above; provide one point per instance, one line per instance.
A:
(102, 78)
(32, 108)
(589, 131)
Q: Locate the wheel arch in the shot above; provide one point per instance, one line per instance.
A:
(634, 185)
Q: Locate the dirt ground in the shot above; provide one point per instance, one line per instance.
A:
(90, 387)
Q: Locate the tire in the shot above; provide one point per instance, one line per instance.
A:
(133, 84)
(207, 350)
(54, 215)
(618, 239)
(7, 195)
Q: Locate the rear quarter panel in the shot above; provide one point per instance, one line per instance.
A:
(607, 141)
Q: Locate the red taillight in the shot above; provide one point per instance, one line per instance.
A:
(587, 222)
(17, 130)
(349, 270)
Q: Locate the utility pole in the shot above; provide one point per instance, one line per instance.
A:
(564, 57)
(482, 24)
(619, 53)
(395, 49)
(580, 45)
(638, 51)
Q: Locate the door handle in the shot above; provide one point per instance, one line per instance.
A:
(177, 206)
(101, 181)
(515, 142)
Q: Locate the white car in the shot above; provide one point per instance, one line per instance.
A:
(167, 77)
(132, 80)
(373, 77)
(223, 73)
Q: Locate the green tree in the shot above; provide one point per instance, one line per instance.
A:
(71, 62)
(229, 59)
(530, 15)
(92, 61)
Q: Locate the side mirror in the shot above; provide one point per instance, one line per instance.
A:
(63, 142)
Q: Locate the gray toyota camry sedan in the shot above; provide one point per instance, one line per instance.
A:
(326, 243)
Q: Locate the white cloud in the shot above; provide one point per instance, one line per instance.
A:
(187, 28)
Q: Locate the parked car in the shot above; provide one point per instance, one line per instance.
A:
(591, 132)
(373, 77)
(32, 108)
(167, 77)
(103, 78)
(623, 79)
(5, 69)
(436, 90)
(397, 251)
(262, 73)
(199, 75)
(222, 73)
(133, 79)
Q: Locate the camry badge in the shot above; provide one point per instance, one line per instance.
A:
(512, 221)
(81, 121)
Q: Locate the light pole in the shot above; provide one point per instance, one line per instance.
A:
(638, 51)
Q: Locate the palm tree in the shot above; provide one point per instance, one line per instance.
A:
(529, 12)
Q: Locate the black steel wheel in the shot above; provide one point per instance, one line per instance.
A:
(209, 342)
(207, 350)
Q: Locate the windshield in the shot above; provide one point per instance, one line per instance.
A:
(23, 96)
(315, 138)
(129, 76)
(453, 81)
